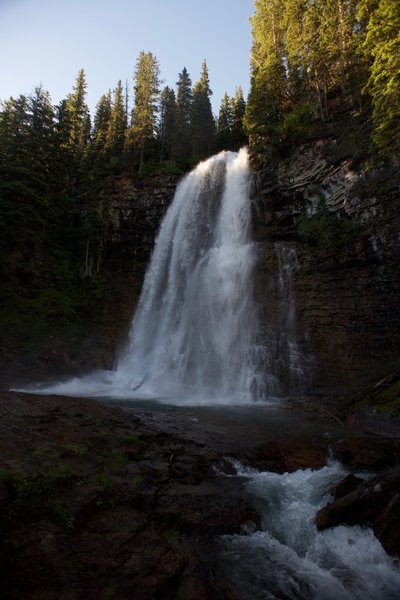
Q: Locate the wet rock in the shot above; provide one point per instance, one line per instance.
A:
(374, 502)
(349, 484)
(387, 525)
(370, 453)
(287, 454)
(346, 291)
(107, 502)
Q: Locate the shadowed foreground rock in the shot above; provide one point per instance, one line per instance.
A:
(98, 502)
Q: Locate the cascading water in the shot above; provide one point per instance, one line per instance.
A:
(195, 329)
(195, 325)
(286, 368)
(195, 338)
(288, 353)
(289, 559)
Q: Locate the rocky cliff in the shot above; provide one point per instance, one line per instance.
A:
(133, 210)
(339, 212)
(129, 213)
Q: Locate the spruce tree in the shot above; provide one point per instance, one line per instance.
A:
(78, 114)
(116, 131)
(381, 47)
(238, 108)
(28, 172)
(101, 123)
(203, 124)
(144, 115)
(268, 91)
(167, 124)
(184, 99)
(224, 124)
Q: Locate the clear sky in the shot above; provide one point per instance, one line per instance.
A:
(48, 41)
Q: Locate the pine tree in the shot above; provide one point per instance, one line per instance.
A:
(167, 124)
(117, 123)
(102, 123)
(292, 23)
(381, 46)
(268, 91)
(144, 115)
(238, 109)
(184, 99)
(28, 172)
(315, 60)
(224, 124)
(78, 114)
(203, 124)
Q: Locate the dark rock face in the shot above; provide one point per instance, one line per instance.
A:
(130, 211)
(135, 211)
(101, 502)
(369, 453)
(346, 295)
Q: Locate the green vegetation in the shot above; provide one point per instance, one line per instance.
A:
(109, 492)
(132, 439)
(311, 57)
(230, 128)
(56, 166)
(325, 230)
(388, 400)
(77, 450)
(33, 497)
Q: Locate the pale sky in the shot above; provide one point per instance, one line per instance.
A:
(48, 41)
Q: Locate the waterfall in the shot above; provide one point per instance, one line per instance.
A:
(194, 327)
(286, 369)
(292, 362)
(194, 334)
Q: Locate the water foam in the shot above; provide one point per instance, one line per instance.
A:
(290, 559)
(193, 337)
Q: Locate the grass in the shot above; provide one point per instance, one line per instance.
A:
(78, 450)
(132, 439)
(31, 497)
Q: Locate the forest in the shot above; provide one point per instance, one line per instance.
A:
(309, 59)
(54, 160)
(310, 56)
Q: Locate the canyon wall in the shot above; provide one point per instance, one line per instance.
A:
(133, 210)
(346, 285)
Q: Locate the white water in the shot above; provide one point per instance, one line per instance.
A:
(193, 338)
(290, 560)
(291, 368)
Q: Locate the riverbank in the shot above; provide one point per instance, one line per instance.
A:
(101, 501)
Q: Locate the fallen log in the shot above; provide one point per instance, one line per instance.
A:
(363, 505)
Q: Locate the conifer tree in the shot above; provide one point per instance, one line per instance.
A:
(102, 123)
(27, 171)
(144, 115)
(292, 23)
(116, 131)
(381, 46)
(167, 124)
(78, 115)
(184, 99)
(268, 91)
(238, 109)
(203, 124)
(224, 124)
